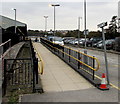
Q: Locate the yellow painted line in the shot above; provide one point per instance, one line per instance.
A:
(110, 83)
(101, 79)
(116, 65)
(114, 86)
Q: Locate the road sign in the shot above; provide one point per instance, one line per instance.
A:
(86, 32)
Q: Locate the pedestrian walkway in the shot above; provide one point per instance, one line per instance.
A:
(58, 76)
(62, 84)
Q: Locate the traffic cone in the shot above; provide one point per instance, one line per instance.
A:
(103, 85)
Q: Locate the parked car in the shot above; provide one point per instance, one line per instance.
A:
(95, 44)
(93, 41)
(58, 40)
(109, 44)
(117, 44)
(55, 39)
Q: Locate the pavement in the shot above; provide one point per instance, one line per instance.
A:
(86, 95)
(62, 84)
(57, 75)
(12, 53)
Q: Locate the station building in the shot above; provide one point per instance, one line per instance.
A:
(7, 30)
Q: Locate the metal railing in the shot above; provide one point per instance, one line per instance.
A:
(21, 72)
(4, 47)
(81, 62)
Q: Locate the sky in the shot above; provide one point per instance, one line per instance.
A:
(32, 13)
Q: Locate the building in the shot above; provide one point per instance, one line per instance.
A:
(7, 26)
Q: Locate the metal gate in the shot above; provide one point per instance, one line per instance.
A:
(18, 74)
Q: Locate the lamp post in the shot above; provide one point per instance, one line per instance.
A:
(54, 5)
(15, 19)
(85, 21)
(45, 22)
(79, 30)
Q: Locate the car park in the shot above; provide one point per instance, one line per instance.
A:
(95, 44)
(109, 44)
(93, 41)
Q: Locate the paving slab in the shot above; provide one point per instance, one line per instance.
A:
(62, 84)
(58, 76)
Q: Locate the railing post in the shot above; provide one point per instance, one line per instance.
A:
(4, 85)
(69, 54)
(63, 52)
(33, 75)
(78, 59)
(93, 67)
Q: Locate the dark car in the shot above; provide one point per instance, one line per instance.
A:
(93, 41)
(117, 44)
(95, 44)
(109, 44)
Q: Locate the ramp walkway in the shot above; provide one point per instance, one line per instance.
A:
(57, 75)
(62, 84)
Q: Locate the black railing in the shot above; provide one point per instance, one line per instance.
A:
(20, 73)
(82, 63)
(5, 46)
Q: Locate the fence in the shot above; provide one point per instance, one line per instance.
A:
(4, 47)
(20, 73)
(84, 64)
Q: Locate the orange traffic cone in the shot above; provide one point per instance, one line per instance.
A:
(103, 85)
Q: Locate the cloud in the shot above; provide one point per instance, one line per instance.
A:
(66, 15)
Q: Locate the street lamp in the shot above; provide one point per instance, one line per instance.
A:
(85, 22)
(45, 22)
(54, 5)
(15, 19)
(102, 25)
(79, 30)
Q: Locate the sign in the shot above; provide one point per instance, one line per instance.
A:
(86, 32)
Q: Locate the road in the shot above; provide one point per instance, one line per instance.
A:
(113, 64)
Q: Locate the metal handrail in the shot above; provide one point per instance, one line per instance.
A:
(40, 66)
(95, 69)
(5, 42)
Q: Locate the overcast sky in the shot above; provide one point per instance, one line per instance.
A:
(32, 12)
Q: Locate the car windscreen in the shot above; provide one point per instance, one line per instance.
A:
(58, 39)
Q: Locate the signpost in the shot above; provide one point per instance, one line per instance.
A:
(102, 25)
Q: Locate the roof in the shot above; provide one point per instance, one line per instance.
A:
(8, 22)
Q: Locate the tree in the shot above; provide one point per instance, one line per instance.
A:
(113, 25)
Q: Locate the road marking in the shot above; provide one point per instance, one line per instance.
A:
(101, 79)
(116, 65)
(110, 83)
